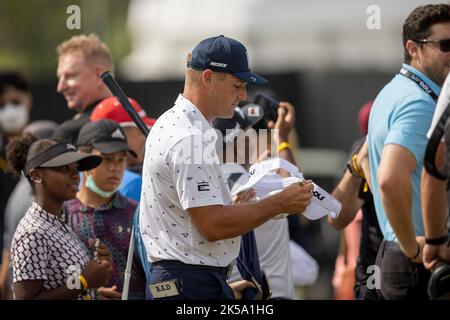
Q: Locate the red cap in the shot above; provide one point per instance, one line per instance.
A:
(111, 109)
(363, 117)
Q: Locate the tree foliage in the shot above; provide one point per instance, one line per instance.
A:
(30, 30)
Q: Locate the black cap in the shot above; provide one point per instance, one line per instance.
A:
(243, 118)
(104, 135)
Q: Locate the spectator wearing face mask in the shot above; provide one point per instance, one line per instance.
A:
(100, 211)
(131, 185)
(15, 105)
(111, 109)
(49, 261)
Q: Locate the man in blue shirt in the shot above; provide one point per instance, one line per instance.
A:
(398, 124)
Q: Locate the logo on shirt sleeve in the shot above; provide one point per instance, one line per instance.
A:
(203, 186)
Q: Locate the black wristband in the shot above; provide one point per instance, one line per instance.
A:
(436, 241)
(417, 254)
(350, 169)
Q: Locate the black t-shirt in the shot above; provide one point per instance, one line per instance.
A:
(68, 130)
(7, 185)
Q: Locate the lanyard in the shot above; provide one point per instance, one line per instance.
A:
(433, 142)
(422, 84)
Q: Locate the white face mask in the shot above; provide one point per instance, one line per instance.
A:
(91, 185)
(13, 118)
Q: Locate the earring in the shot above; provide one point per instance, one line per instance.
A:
(38, 181)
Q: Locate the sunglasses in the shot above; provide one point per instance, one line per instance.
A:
(444, 44)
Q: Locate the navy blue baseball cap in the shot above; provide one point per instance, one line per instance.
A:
(222, 54)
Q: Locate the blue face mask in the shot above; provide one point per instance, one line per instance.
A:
(91, 185)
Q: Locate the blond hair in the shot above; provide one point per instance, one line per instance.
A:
(91, 47)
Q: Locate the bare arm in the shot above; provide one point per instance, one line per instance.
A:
(283, 127)
(363, 162)
(31, 290)
(347, 192)
(394, 175)
(224, 222)
(434, 200)
(239, 287)
(4, 270)
(96, 273)
(434, 211)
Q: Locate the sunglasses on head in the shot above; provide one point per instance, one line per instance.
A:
(444, 44)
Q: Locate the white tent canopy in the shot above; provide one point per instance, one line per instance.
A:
(280, 35)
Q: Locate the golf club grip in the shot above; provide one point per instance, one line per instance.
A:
(115, 89)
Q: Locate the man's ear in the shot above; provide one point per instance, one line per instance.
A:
(207, 77)
(413, 49)
(98, 71)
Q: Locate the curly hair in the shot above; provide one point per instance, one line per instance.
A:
(417, 24)
(21, 149)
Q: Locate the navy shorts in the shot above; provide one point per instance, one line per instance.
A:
(194, 282)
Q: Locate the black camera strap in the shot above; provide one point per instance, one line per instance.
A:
(436, 136)
(433, 144)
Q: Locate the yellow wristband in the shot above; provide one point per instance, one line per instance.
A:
(357, 169)
(84, 283)
(283, 145)
(86, 297)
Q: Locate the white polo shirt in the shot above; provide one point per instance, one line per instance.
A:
(181, 171)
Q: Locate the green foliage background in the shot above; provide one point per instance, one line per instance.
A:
(30, 30)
